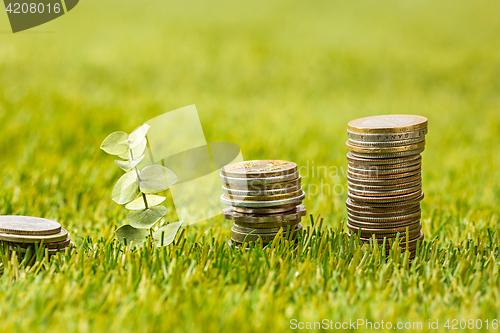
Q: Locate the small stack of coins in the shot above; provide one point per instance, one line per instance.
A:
(384, 178)
(20, 233)
(264, 196)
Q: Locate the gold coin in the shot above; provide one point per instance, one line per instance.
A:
(246, 230)
(386, 150)
(61, 236)
(259, 169)
(387, 137)
(387, 233)
(402, 238)
(228, 181)
(52, 246)
(266, 238)
(397, 123)
(51, 251)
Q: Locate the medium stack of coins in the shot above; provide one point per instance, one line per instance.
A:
(384, 178)
(20, 233)
(264, 196)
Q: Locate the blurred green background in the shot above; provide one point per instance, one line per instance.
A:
(281, 79)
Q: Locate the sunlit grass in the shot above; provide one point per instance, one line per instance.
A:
(281, 79)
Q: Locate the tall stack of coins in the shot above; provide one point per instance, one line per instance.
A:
(384, 178)
(19, 233)
(264, 196)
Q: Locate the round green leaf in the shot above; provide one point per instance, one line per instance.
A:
(138, 203)
(128, 235)
(166, 235)
(146, 218)
(115, 143)
(126, 188)
(128, 165)
(136, 151)
(135, 138)
(156, 178)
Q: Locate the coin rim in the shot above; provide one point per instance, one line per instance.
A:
(264, 174)
(423, 122)
(375, 137)
(254, 204)
(32, 232)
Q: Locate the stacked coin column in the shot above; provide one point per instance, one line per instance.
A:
(21, 233)
(384, 178)
(264, 196)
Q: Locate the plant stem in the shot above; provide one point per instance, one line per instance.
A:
(145, 201)
(135, 168)
(138, 179)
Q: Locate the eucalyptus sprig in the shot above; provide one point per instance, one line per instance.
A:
(137, 189)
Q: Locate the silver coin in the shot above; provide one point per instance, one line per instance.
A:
(253, 204)
(385, 205)
(388, 213)
(388, 136)
(387, 199)
(385, 171)
(259, 193)
(368, 208)
(383, 182)
(264, 187)
(384, 193)
(385, 144)
(264, 198)
(393, 155)
(264, 210)
(239, 218)
(381, 161)
(27, 225)
(385, 220)
(392, 165)
(258, 181)
(383, 177)
(382, 188)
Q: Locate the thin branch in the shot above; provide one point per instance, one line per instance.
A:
(139, 178)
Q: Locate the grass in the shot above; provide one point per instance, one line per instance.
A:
(281, 79)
